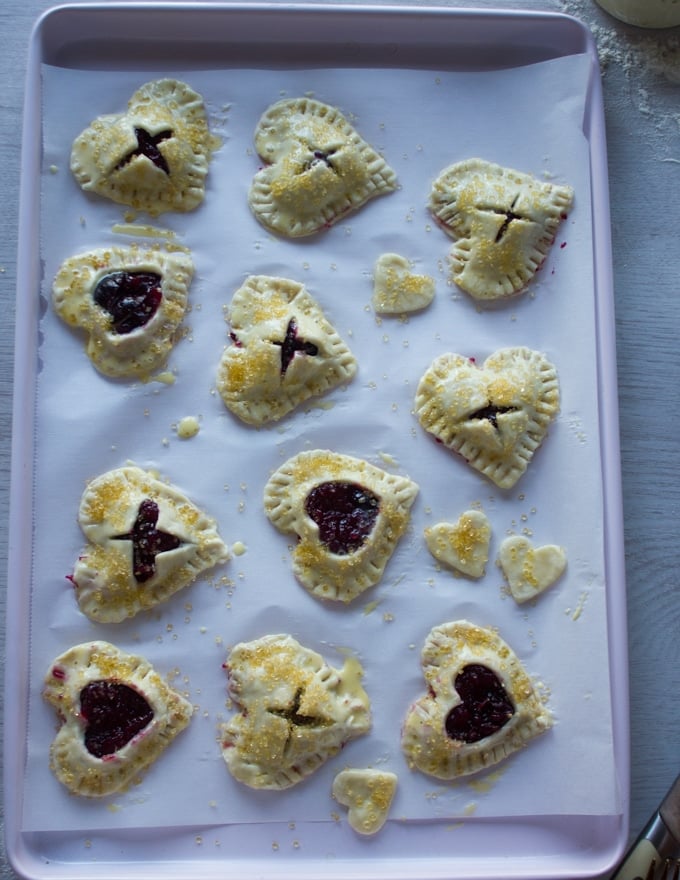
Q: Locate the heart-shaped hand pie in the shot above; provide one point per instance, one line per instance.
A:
(480, 707)
(504, 223)
(294, 711)
(368, 794)
(463, 545)
(318, 168)
(117, 716)
(348, 515)
(129, 301)
(284, 351)
(530, 570)
(496, 415)
(146, 542)
(154, 157)
(396, 289)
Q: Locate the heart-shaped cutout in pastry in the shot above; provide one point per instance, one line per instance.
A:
(530, 570)
(495, 415)
(155, 156)
(348, 515)
(117, 716)
(294, 711)
(462, 545)
(481, 705)
(146, 542)
(397, 289)
(368, 795)
(130, 303)
(284, 351)
(318, 168)
(504, 223)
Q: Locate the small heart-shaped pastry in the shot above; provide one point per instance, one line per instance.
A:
(480, 706)
(530, 570)
(496, 415)
(284, 351)
(129, 301)
(397, 289)
(117, 716)
(504, 223)
(146, 542)
(154, 157)
(463, 545)
(348, 515)
(368, 795)
(318, 168)
(294, 711)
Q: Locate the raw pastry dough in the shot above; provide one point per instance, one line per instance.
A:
(117, 716)
(504, 223)
(463, 545)
(284, 351)
(368, 795)
(496, 415)
(397, 289)
(480, 707)
(530, 570)
(146, 542)
(294, 711)
(318, 168)
(130, 301)
(348, 515)
(155, 156)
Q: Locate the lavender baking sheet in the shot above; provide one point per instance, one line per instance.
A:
(527, 116)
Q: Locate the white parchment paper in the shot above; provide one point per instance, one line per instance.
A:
(529, 118)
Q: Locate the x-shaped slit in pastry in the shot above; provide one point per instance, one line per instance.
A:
(509, 217)
(291, 344)
(296, 718)
(321, 156)
(147, 541)
(491, 413)
(147, 145)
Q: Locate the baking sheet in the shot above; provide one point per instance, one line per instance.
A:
(530, 117)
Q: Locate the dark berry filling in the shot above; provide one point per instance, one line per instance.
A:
(147, 541)
(292, 344)
(485, 707)
(114, 713)
(147, 145)
(491, 413)
(131, 298)
(345, 514)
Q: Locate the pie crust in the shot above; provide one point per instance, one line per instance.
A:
(496, 415)
(397, 289)
(462, 545)
(294, 711)
(504, 223)
(284, 351)
(95, 772)
(114, 349)
(437, 736)
(155, 156)
(368, 795)
(530, 570)
(146, 542)
(324, 570)
(318, 168)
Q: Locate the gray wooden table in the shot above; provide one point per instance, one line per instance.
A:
(641, 76)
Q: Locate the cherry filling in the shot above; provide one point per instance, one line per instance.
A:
(114, 714)
(147, 541)
(485, 707)
(491, 413)
(345, 514)
(131, 298)
(291, 344)
(147, 145)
